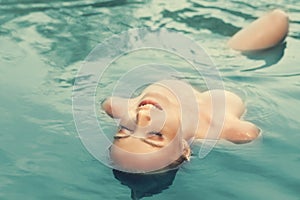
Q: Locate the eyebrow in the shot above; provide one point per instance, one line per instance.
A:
(147, 141)
(153, 143)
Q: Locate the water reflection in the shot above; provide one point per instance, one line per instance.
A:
(145, 185)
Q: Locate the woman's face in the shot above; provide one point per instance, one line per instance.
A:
(149, 131)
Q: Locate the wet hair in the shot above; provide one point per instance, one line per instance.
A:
(145, 185)
(185, 156)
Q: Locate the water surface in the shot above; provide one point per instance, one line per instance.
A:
(43, 44)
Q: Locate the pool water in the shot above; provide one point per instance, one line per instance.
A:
(43, 45)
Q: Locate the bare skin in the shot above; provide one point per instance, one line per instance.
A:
(234, 128)
(156, 125)
(265, 32)
(152, 121)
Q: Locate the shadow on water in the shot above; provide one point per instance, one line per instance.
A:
(214, 24)
(270, 56)
(199, 22)
(146, 185)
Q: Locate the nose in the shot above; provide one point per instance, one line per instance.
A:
(143, 118)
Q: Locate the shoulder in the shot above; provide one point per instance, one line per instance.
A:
(232, 103)
(229, 96)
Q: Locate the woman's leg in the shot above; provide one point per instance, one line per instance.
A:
(265, 32)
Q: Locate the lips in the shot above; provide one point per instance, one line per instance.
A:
(149, 104)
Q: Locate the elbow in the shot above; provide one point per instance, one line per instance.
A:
(252, 134)
(246, 134)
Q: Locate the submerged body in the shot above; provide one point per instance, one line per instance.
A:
(157, 126)
(169, 114)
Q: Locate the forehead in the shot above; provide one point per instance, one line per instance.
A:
(144, 162)
(134, 145)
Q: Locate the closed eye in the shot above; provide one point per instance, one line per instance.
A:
(124, 128)
(158, 142)
(123, 132)
(156, 134)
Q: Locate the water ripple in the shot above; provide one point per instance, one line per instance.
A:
(56, 36)
(233, 12)
(198, 22)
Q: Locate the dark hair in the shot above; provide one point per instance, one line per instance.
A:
(147, 184)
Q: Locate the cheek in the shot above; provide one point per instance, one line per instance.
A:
(116, 107)
(172, 127)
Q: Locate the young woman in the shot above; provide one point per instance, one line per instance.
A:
(157, 126)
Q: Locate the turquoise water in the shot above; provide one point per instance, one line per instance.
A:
(43, 45)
